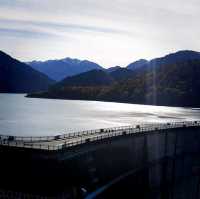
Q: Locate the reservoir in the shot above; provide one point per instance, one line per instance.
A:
(41, 117)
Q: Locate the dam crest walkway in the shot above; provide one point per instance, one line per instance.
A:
(63, 141)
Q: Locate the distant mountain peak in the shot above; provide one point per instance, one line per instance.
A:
(59, 69)
(71, 60)
(137, 64)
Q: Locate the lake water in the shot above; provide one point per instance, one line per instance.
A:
(33, 117)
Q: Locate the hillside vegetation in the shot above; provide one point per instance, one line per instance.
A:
(176, 84)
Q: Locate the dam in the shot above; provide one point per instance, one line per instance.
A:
(153, 160)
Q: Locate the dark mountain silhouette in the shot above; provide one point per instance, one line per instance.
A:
(121, 74)
(172, 58)
(172, 80)
(175, 84)
(112, 69)
(137, 64)
(18, 77)
(60, 69)
(90, 78)
(72, 87)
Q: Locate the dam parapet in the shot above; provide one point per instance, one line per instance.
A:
(144, 160)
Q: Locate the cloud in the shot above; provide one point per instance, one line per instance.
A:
(112, 32)
(59, 26)
(23, 33)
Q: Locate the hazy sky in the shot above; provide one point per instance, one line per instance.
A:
(109, 32)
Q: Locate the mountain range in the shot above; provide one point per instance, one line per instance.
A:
(170, 80)
(62, 68)
(17, 77)
(172, 58)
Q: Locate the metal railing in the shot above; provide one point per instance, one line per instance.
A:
(60, 142)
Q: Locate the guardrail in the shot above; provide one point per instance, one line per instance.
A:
(60, 136)
(60, 142)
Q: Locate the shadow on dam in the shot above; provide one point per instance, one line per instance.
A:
(168, 168)
(139, 184)
(161, 164)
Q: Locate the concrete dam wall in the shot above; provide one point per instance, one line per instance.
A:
(157, 164)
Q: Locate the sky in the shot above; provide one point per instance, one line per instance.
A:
(108, 32)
